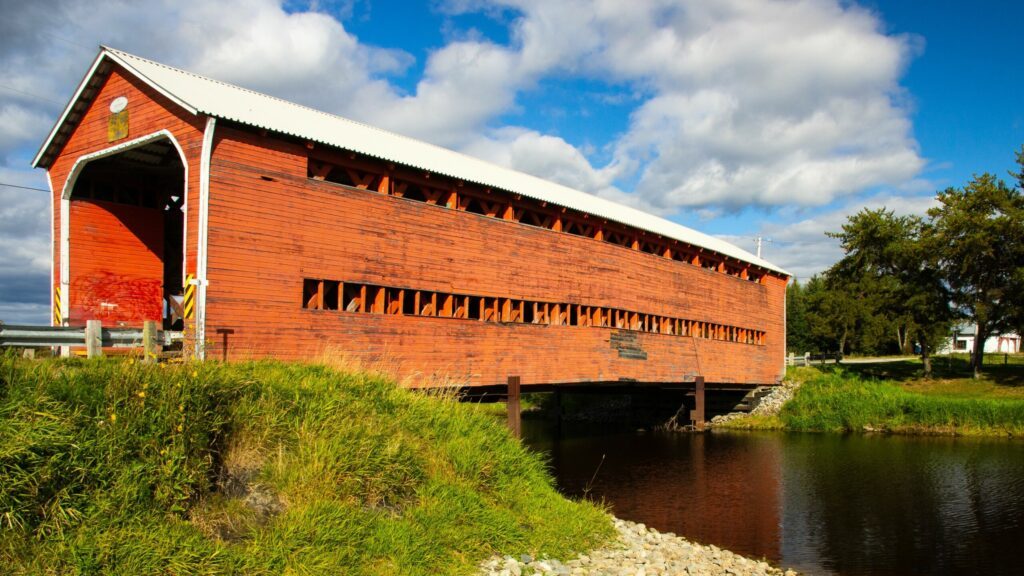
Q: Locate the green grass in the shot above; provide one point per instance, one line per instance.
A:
(114, 467)
(1002, 374)
(893, 397)
(839, 400)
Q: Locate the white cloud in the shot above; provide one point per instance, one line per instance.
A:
(736, 102)
(759, 103)
(465, 85)
(800, 245)
(25, 257)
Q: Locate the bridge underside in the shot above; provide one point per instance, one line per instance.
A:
(638, 404)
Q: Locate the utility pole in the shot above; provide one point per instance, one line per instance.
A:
(760, 241)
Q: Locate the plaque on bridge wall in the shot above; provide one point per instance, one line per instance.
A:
(117, 123)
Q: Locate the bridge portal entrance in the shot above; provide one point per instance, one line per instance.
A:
(126, 230)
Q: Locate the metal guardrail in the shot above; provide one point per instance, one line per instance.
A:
(26, 336)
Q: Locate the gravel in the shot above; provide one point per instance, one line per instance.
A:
(769, 406)
(639, 551)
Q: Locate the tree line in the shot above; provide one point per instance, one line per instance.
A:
(905, 281)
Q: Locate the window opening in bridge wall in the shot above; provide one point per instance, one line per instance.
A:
(473, 205)
(446, 305)
(331, 294)
(339, 176)
(473, 311)
(414, 192)
(394, 299)
(375, 299)
(353, 297)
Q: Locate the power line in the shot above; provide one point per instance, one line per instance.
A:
(23, 187)
(65, 40)
(10, 89)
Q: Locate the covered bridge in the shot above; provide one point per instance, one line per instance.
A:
(278, 230)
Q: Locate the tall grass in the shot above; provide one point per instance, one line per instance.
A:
(840, 401)
(113, 467)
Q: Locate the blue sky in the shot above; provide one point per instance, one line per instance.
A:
(736, 117)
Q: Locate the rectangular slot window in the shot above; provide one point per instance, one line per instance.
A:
(318, 294)
(352, 297)
(446, 305)
(332, 296)
(473, 308)
(394, 301)
(311, 294)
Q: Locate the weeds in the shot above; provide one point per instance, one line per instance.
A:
(112, 466)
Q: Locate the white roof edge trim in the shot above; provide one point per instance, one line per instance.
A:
(105, 53)
(67, 109)
(115, 56)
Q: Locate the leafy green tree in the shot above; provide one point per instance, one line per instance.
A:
(978, 235)
(894, 260)
(834, 312)
(1017, 290)
(798, 339)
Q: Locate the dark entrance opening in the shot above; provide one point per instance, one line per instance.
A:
(127, 238)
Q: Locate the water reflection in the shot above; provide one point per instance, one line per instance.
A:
(824, 504)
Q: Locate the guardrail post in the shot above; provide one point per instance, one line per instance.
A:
(512, 405)
(807, 358)
(149, 341)
(698, 409)
(792, 359)
(93, 338)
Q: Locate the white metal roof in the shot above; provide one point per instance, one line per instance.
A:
(201, 95)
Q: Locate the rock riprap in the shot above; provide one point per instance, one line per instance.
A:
(639, 551)
(770, 405)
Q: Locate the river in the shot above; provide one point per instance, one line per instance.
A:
(819, 503)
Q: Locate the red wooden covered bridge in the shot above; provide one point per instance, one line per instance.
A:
(273, 229)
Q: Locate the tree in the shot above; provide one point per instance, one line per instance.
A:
(896, 257)
(833, 314)
(1017, 291)
(978, 233)
(798, 338)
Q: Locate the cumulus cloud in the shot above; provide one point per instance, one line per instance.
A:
(753, 102)
(735, 103)
(25, 257)
(800, 245)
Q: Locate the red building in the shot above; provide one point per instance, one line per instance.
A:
(294, 231)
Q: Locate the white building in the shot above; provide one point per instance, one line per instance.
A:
(963, 341)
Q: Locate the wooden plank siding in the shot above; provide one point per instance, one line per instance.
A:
(272, 226)
(117, 276)
(149, 112)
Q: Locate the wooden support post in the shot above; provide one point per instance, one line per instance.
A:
(149, 341)
(698, 411)
(512, 404)
(93, 338)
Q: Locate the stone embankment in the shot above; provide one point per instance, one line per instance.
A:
(639, 551)
(769, 406)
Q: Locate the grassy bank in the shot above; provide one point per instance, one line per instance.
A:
(892, 397)
(112, 467)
